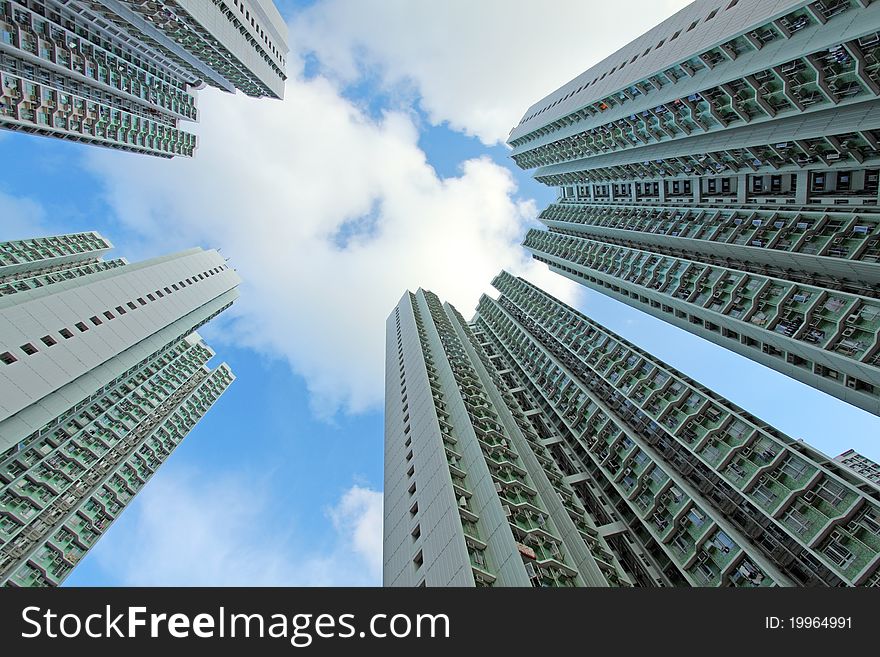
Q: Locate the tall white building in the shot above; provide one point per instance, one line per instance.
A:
(102, 374)
(721, 172)
(532, 446)
(122, 73)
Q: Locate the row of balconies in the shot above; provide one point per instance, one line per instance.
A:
(858, 59)
(827, 326)
(100, 65)
(764, 451)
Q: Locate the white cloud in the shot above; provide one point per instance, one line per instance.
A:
(187, 529)
(329, 216)
(477, 65)
(358, 517)
(20, 218)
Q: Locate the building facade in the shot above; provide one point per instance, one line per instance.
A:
(861, 465)
(103, 374)
(472, 497)
(123, 73)
(534, 446)
(721, 173)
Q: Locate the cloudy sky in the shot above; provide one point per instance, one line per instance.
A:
(383, 169)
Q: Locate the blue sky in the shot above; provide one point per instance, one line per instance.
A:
(382, 169)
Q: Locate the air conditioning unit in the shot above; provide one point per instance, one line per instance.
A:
(531, 571)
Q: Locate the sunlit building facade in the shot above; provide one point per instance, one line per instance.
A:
(103, 374)
(533, 446)
(720, 172)
(123, 74)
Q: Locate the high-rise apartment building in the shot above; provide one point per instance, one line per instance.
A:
(861, 465)
(534, 446)
(122, 73)
(721, 173)
(472, 497)
(102, 375)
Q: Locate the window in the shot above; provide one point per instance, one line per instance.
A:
(696, 516)
(141, 301)
(837, 552)
(832, 492)
(794, 467)
(121, 310)
(416, 532)
(7, 358)
(94, 320)
(764, 495)
(82, 327)
(414, 509)
(109, 315)
(412, 489)
(418, 560)
(131, 305)
(48, 340)
(65, 333)
(723, 542)
(151, 297)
